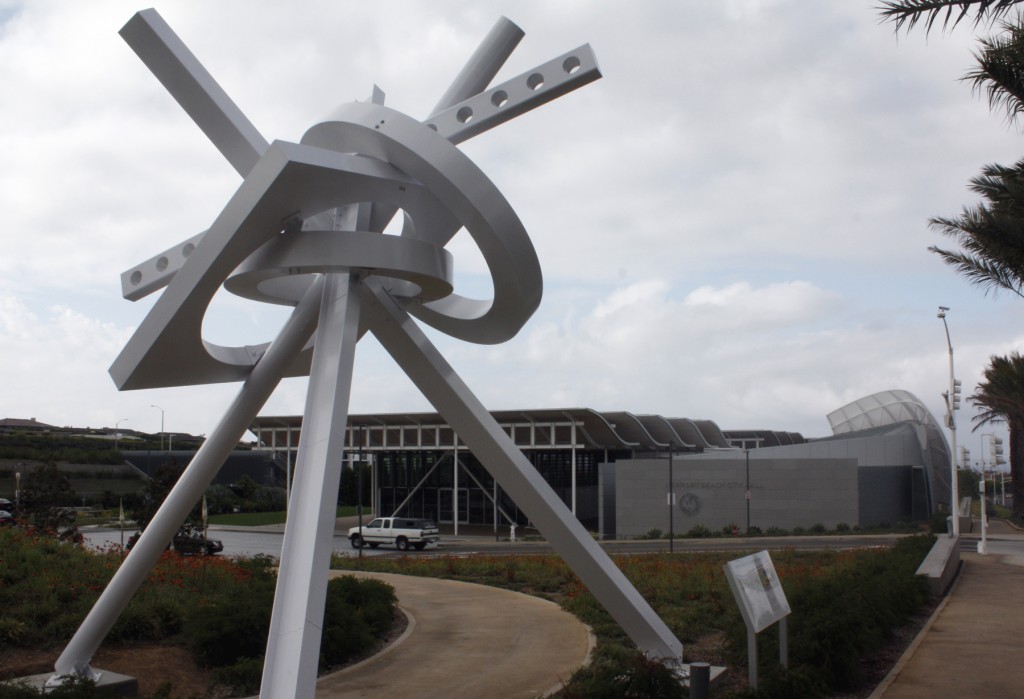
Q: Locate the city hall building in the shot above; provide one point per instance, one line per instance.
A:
(887, 460)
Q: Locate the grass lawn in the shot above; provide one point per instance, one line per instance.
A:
(257, 519)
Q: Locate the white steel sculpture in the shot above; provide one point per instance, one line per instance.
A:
(304, 230)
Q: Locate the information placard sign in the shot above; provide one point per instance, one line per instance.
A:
(757, 590)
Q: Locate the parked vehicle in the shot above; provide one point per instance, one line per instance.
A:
(197, 544)
(6, 519)
(402, 532)
(187, 544)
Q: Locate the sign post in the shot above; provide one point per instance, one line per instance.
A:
(762, 602)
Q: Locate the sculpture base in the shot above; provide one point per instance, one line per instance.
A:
(110, 684)
(716, 673)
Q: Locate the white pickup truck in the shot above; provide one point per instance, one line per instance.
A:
(402, 532)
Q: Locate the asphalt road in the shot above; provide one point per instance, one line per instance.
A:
(239, 542)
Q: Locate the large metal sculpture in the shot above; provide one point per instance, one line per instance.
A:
(305, 230)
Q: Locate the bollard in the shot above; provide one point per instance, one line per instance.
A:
(700, 681)
(512, 533)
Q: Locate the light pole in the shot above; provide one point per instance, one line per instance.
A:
(952, 398)
(161, 425)
(671, 504)
(983, 543)
(116, 433)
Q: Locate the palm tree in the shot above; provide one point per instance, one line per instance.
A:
(990, 234)
(1000, 396)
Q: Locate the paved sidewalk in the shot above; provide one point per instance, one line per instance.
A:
(974, 643)
(467, 640)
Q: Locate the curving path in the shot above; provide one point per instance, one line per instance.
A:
(467, 640)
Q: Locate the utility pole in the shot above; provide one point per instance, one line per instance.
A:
(671, 504)
(952, 399)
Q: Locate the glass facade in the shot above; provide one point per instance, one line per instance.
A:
(423, 484)
(413, 456)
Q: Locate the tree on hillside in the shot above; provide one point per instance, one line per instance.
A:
(1000, 396)
(154, 494)
(46, 501)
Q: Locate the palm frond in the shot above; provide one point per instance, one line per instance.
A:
(990, 277)
(1000, 71)
(1000, 395)
(907, 13)
(990, 235)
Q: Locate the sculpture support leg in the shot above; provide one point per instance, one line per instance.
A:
(293, 646)
(424, 365)
(189, 488)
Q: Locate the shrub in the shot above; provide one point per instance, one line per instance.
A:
(229, 629)
(776, 531)
(243, 677)
(358, 614)
(754, 531)
(778, 683)
(651, 534)
(73, 688)
(905, 525)
(699, 532)
(842, 528)
(818, 528)
(637, 677)
(226, 627)
(851, 608)
(938, 522)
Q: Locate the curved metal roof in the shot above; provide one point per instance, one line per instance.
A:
(894, 407)
(598, 430)
(882, 408)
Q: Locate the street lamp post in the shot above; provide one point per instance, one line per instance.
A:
(117, 434)
(952, 398)
(671, 504)
(161, 425)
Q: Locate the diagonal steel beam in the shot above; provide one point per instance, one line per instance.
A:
(192, 86)
(452, 398)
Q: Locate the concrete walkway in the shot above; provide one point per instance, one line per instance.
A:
(974, 643)
(467, 640)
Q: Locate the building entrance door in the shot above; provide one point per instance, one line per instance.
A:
(446, 505)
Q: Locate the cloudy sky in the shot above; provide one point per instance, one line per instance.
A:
(732, 223)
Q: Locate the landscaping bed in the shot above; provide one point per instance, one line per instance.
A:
(215, 610)
(853, 613)
(202, 617)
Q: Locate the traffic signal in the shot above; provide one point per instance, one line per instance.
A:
(956, 394)
(995, 451)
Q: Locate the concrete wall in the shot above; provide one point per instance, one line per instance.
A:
(886, 494)
(711, 491)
